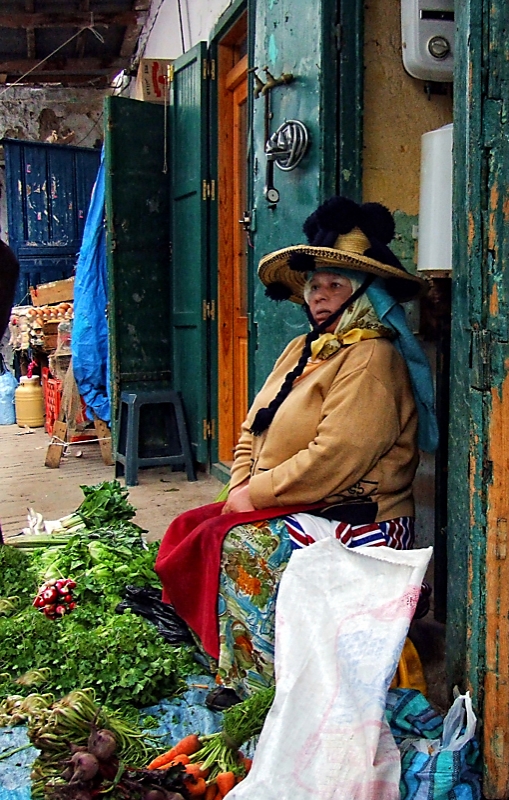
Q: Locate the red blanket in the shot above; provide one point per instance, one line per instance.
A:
(189, 561)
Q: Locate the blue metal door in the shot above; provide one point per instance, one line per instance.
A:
(48, 193)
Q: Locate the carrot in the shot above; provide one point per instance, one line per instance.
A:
(196, 788)
(225, 782)
(211, 792)
(187, 746)
(247, 762)
(183, 759)
(196, 770)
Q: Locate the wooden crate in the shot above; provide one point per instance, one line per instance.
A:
(53, 292)
(50, 331)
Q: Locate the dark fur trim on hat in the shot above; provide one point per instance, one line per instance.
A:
(339, 214)
(380, 252)
(310, 227)
(377, 222)
(278, 291)
(301, 262)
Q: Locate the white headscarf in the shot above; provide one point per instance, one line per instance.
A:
(361, 313)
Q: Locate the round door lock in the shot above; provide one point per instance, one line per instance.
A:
(273, 195)
(439, 47)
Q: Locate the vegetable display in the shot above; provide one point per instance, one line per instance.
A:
(54, 598)
(122, 656)
(86, 752)
(214, 764)
(88, 746)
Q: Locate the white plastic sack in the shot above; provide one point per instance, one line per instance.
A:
(341, 621)
(456, 733)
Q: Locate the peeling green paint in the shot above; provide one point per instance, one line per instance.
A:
(273, 50)
(404, 244)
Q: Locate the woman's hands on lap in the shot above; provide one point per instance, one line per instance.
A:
(238, 500)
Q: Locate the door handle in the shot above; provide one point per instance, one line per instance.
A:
(246, 221)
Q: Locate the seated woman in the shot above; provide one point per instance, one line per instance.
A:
(329, 447)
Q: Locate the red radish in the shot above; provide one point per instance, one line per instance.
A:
(71, 584)
(71, 606)
(60, 610)
(68, 598)
(50, 595)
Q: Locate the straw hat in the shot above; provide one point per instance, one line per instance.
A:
(341, 233)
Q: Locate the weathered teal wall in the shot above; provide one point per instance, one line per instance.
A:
(289, 39)
(478, 622)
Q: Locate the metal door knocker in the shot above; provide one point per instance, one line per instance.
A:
(285, 148)
(288, 144)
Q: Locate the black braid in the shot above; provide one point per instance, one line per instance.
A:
(264, 416)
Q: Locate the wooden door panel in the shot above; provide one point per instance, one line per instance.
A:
(137, 245)
(232, 272)
(189, 242)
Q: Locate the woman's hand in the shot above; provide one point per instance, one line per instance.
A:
(238, 500)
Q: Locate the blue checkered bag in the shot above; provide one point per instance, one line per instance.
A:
(440, 758)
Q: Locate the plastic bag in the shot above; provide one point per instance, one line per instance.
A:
(8, 384)
(439, 758)
(341, 621)
(147, 602)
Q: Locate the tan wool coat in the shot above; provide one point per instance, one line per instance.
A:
(346, 432)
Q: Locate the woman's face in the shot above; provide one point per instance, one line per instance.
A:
(326, 293)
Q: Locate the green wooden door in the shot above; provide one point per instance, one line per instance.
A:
(137, 213)
(326, 95)
(478, 519)
(191, 194)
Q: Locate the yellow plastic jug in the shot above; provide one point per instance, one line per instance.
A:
(29, 403)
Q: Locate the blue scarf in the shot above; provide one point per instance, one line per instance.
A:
(391, 314)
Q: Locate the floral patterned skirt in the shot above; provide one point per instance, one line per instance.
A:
(254, 557)
(253, 560)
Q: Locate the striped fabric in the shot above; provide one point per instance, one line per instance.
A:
(305, 529)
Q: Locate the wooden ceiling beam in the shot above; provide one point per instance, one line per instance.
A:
(80, 41)
(30, 33)
(64, 66)
(71, 19)
(132, 33)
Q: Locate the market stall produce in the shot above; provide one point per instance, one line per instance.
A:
(122, 656)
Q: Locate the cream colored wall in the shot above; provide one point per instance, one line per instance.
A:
(396, 113)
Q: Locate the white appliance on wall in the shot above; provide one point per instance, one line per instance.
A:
(435, 202)
(427, 38)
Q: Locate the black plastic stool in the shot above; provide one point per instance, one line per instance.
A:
(174, 451)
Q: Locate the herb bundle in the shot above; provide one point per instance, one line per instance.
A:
(122, 657)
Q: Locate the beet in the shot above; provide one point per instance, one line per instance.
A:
(77, 748)
(67, 773)
(86, 767)
(102, 744)
(155, 794)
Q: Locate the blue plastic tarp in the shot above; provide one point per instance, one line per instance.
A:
(175, 718)
(90, 328)
(15, 769)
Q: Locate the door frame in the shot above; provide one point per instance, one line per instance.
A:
(232, 83)
(225, 23)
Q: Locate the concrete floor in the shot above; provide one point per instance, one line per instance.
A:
(24, 481)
